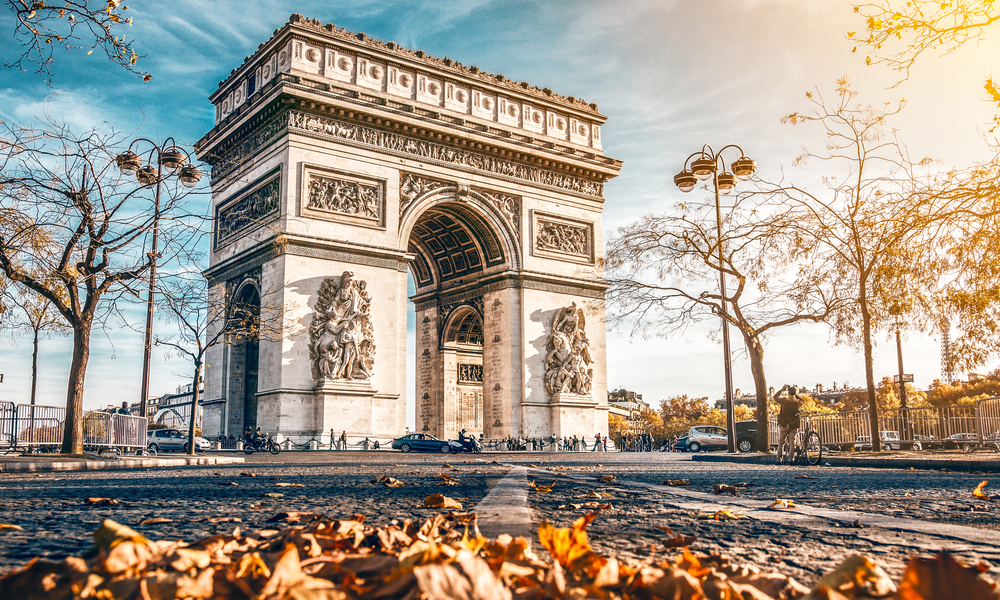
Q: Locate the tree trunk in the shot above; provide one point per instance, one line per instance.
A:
(194, 408)
(756, 351)
(72, 442)
(34, 367)
(866, 332)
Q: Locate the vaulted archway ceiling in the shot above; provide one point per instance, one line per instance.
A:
(450, 242)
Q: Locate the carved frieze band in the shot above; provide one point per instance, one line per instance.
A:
(247, 211)
(424, 149)
(344, 196)
(470, 373)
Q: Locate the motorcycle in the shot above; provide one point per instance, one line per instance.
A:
(470, 445)
(261, 444)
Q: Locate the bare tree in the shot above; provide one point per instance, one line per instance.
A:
(74, 232)
(41, 27)
(664, 270)
(37, 316)
(206, 317)
(878, 222)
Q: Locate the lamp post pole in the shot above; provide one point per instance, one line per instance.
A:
(178, 162)
(708, 164)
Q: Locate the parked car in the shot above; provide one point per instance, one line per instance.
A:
(681, 445)
(961, 441)
(746, 435)
(890, 441)
(706, 437)
(926, 442)
(166, 440)
(420, 442)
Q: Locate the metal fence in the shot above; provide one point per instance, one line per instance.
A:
(7, 431)
(27, 427)
(937, 426)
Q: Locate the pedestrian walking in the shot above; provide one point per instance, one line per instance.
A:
(597, 441)
(333, 440)
(343, 440)
(604, 443)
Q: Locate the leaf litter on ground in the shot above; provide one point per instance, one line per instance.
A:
(307, 556)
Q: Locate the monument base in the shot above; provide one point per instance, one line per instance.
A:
(572, 414)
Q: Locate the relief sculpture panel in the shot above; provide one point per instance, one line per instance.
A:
(342, 341)
(568, 362)
(344, 196)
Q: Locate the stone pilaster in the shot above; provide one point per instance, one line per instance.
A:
(503, 378)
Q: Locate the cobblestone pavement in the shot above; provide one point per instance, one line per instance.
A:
(57, 521)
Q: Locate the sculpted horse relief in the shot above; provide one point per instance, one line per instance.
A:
(342, 342)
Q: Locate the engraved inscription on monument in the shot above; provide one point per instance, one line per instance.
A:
(342, 337)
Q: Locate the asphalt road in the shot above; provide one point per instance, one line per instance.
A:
(200, 501)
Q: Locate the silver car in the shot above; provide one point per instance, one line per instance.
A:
(165, 440)
(706, 437)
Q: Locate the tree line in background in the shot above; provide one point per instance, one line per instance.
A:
(872, 240)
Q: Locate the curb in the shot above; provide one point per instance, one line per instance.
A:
(110, 465)
(992, 465)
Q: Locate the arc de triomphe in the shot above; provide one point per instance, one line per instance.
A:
(339, 164)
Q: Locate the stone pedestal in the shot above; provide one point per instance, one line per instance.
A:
(572, 414)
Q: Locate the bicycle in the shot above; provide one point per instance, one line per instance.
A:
(806, 441)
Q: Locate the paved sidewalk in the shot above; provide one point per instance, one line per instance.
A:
(980, 461)
(36, 463)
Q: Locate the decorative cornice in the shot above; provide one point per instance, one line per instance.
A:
(420, 57)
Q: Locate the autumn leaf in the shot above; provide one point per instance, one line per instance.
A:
(676, 541)
(569, 545)
(722, 515)
(978, 492)
(541, 488)
(677, 482)
(721, 488)
(942, 578)
(858, 577)
(388, 481)
(780, 504)
(155, 521)
(441, 501)
(102, 501)
(286, 484)
(5, 526)
(805, 477)
(608, 478)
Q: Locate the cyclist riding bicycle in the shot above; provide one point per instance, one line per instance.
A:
(788, 416)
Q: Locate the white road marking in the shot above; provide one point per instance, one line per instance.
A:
(505, 507)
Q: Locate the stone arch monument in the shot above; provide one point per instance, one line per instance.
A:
(342, 163)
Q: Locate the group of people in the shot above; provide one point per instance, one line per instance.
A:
(632, 442)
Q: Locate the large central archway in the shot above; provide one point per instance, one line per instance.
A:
(459, 239)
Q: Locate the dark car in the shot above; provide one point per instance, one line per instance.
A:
(420, 442)
(746, 435)
(681, 445)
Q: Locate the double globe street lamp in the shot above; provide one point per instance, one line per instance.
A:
(169, 159)
(708, 164)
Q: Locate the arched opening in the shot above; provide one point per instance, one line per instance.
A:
(462, 368)
(244, 364)
(455, 244)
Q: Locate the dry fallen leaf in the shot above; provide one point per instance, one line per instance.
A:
(677, 482)
(541, 488)
(721, 488)
(286, 484)
(102, 501)
(942, 578)
(608, 478)
(441, 501)
(155, 521)
(228, 483)
(978, 492)
(388, 481)
(722, 515)
(273, 495)
(676, 541)
(805, 477)
(4, 526)
(247, 474)
(780, 503)
(858, 577)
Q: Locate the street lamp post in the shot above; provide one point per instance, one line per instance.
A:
(177, 162)
(707, 165)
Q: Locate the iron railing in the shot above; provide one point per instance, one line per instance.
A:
(8, 433)
(27, 427)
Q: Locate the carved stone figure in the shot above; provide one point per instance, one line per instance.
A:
(342, 342)
(567, 364)
(562, 237)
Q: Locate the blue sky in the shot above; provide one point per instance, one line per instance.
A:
(670, 75)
